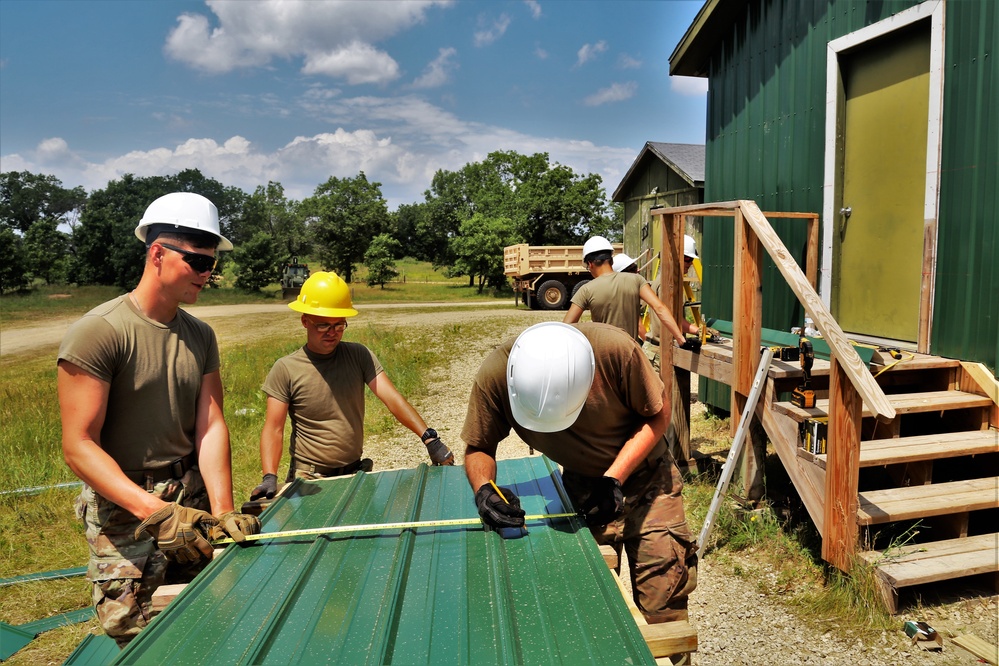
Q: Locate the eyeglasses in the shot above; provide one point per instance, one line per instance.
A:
(201, 263)
(323, 327)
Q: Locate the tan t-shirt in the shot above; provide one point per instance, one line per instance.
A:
(625, 392)
(325, 398)
(613, 298)
(155, 371)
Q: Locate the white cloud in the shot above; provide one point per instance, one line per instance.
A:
(438, 71)
(356, 62)
(493, 32)
(625, 61)
(535, 8)
(689, 86)
(588, 52)
(333, 37)
(617, 92)
(540, 53)
(402, 142)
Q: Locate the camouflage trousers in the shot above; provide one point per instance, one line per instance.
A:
(124, 571)
(652, 353)
(653, 531)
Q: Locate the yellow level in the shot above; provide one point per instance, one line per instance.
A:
(372, 527)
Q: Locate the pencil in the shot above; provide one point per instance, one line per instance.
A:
(498, 491)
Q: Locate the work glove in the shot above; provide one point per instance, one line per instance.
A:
(494, 511)
(179, 532)
(236, 526)
(267, 488)
(439, 453)
(692, 344)
(605, 503)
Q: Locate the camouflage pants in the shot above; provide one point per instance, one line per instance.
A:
(124, 571)
(652, 353)
(653, 532)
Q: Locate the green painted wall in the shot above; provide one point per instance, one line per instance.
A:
(765, 141)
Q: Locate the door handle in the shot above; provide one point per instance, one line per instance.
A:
(846, 212)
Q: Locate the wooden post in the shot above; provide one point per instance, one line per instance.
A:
(747, 309)
(812, 253)
(672, 297)
(839, 536)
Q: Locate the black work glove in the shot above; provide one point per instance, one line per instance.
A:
(605, 503)
(439, 453)
(692, 344)
(494, 511)
(179, 532)
(267, 488)
(236, 526)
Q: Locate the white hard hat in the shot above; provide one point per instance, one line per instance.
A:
(548, 376)
(622, 261)
(689, 247)
(596, 244)
(183, 210)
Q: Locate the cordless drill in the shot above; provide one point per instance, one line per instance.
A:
(803, 396)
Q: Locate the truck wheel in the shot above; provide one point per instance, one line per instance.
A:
(552, 295)
(578, 286)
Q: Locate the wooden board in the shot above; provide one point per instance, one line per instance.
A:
(884, 506)
(923, 447)
(978, 647)
(669, 638)
(903, 403)
(937, 560)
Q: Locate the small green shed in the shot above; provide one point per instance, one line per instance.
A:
(877, 115)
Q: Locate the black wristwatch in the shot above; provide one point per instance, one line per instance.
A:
(429, 435)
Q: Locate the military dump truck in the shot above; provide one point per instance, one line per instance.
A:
(546, 276)
(294, 276)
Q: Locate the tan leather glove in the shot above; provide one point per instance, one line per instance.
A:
(179, 532)
(236, 525)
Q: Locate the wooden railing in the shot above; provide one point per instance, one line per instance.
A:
(851, 384)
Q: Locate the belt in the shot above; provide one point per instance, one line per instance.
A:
(324, 470)
(653, 341)
(173, 470)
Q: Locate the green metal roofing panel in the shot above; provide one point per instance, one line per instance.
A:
(93, 650)
(442, 595)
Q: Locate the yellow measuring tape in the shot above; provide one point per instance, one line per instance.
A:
(373, 527)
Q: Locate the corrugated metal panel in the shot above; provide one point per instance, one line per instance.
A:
(966, 300)
(93, 650)
(427, 596)
(765, 137)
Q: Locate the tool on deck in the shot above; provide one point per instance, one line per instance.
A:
(803, 396)
(374, 527)
(786, 353)
(733, 453)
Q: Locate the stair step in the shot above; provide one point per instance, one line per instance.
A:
(937, 560)
(904, 403)
(876, 452)
(934, 499)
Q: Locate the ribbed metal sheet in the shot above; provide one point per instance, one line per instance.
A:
(427, 596)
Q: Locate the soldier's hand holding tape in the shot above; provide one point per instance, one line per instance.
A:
(179, 532)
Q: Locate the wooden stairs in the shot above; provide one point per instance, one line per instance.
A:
(910, 483)
(928, 489)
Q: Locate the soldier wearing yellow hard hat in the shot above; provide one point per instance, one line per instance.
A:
(321, 388)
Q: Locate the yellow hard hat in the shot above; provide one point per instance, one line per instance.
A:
(324, 295)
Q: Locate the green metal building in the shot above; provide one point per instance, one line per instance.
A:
(880, 116)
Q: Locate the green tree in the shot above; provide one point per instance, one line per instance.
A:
(257, 262)
(406, 224)
(13, 268)
(380, 259)
(478, 248)
(46, 250)
(26, 198)
(344, 215)
(268, 210)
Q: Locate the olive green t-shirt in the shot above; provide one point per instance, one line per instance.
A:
(155, 371)
(325, 398)
(613, 298)
(625, 392)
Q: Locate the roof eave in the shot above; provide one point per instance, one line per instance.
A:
(692, 55)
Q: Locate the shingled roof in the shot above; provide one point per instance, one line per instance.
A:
(686, 159)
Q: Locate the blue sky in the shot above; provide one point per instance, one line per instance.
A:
(249, 91)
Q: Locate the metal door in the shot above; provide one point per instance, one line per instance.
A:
(878, 242)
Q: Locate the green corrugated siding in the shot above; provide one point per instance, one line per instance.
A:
(765, 142)
(447, 595)
(966, 300)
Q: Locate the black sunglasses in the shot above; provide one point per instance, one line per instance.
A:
(201, 263)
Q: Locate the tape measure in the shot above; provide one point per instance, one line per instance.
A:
(374, 527)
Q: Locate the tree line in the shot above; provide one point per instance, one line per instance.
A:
(57, 235)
